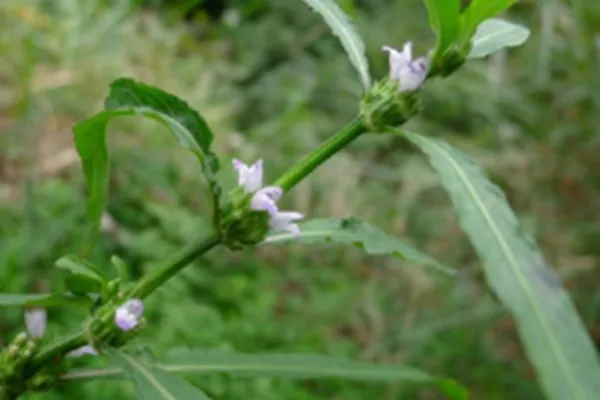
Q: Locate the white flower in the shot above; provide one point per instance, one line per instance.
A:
(249, 177)
(129, 314)
(284, 221)
(409, 73)
(82, 351)
(35, 320)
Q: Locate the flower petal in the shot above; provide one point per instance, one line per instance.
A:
(82, 351)
(283, 220)
(413, 76)
(128, 315)
(35, 320)
(398, 60)
(135, 307)
(249, 177)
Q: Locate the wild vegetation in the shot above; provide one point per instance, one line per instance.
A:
(273, 83)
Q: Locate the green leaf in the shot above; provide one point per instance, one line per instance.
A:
(444, 19)
(477, 12)
(300, 366)
(555, 338)
(495, 34)
(340, 24)
(153, 383)
(84, 268)
(121, 267)
(43, 300)
(130, 98)
(358, 233)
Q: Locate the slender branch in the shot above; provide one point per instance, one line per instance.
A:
(172, 266)
(334, 144)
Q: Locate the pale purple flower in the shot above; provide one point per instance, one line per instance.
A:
(82, 351)
(35, 320)
(129, 314)
(266, 198)
(409, 73)
(249, 176)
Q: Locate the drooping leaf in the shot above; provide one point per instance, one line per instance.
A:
(444, 19)
(153, 383)
(495, 34)
(290, 366)
(355, 232)
(43, 300)
(341, 26)
(477, 12)
(554, 336)
(130, 98)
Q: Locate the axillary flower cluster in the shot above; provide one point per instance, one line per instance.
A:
(250, 178)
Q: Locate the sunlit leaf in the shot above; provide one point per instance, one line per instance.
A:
(554, 336)
(477, 12)
(153, 383)
(130, 98)
(444, 19)
(495, 34)
(340, 24)
(355, 232)
(43, 300)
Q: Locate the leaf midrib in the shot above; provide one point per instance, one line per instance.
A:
(514, 266)
(140, 368)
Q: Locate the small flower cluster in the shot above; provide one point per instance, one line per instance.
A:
(127, 317)
(410, 74)
(250, 178)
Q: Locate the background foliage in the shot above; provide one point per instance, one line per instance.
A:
(273, 82)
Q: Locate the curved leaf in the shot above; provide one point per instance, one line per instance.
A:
(444, 19)
(130, 98)
(43, 300)
(495, 34)
(555, 339)
(153, 383)
(358, 233)
(340, 24)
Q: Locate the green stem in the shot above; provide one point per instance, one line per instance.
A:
(71, 343)
(144, 287)
(172, 266)
(334, 144)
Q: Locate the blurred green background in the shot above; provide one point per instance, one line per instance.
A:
(273, 83)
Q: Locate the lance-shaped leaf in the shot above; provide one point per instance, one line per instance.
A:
(85, 277)
(554, 336)
(153, 383)
(355, 232)
(290, 366)
(495, 34)
(477, 12)
(341, 26)
(130, 98)
(43, 300)
(444, 19)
